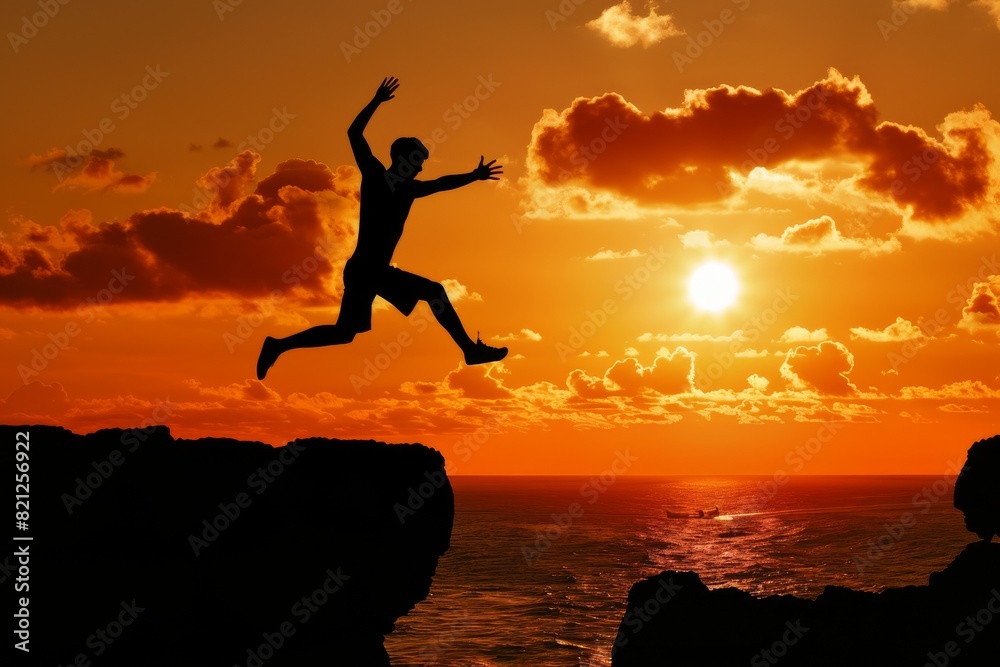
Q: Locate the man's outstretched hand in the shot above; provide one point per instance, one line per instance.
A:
(488, 171)
(386, 89)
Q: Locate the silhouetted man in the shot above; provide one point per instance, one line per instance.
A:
(386, 197)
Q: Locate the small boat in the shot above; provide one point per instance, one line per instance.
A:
(700, 514)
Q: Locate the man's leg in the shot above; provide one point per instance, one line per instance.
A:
(355, 317)
(318, 336)
(447, 317)
(475, 352)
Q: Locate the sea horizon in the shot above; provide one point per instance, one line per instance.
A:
(563, 554)
(709, 475)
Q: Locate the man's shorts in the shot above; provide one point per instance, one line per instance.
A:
(362, 284)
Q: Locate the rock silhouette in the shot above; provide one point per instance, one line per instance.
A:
(977, 489)
(674, 619)
(153, 551)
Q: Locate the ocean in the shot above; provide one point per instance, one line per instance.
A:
(540, 567)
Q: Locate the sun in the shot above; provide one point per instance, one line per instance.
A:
(713, 286)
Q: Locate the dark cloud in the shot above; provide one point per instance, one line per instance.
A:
(685, 155)
(94, 171)
(291, 238)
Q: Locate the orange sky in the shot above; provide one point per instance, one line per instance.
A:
(840, 158)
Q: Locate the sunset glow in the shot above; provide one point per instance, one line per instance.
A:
(704, 247)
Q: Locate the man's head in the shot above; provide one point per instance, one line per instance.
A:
(408, 156)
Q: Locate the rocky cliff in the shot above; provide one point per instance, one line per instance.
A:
(149, 550)
(674, 619)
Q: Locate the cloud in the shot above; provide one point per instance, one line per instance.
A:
(58, 159)
(524, 334)
(823, 368)
(964, 389)
(478, 382)
(35, 399)
(899, 331)
(59, 162)
(992, 6)
(456, 291)
(982, 311)
(818, 236)
(737, 335)
(222, 143)
(291, 239)
(670, 373)
(758, 383)
(94, 172)
(923, 4)
(751, 354)
(699, 238)
(249, 390)
(604, 254)
(803, 335)
(100, 175)
(962, 409)
(699, 151)
(622, 28)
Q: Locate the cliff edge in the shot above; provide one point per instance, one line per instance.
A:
(149, 550)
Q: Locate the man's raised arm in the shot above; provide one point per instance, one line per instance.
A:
(484, 172)
(355, 133)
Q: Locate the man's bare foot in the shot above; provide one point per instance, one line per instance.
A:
(268, 355)
(482, 353)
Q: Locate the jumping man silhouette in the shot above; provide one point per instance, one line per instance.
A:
(386, 197)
